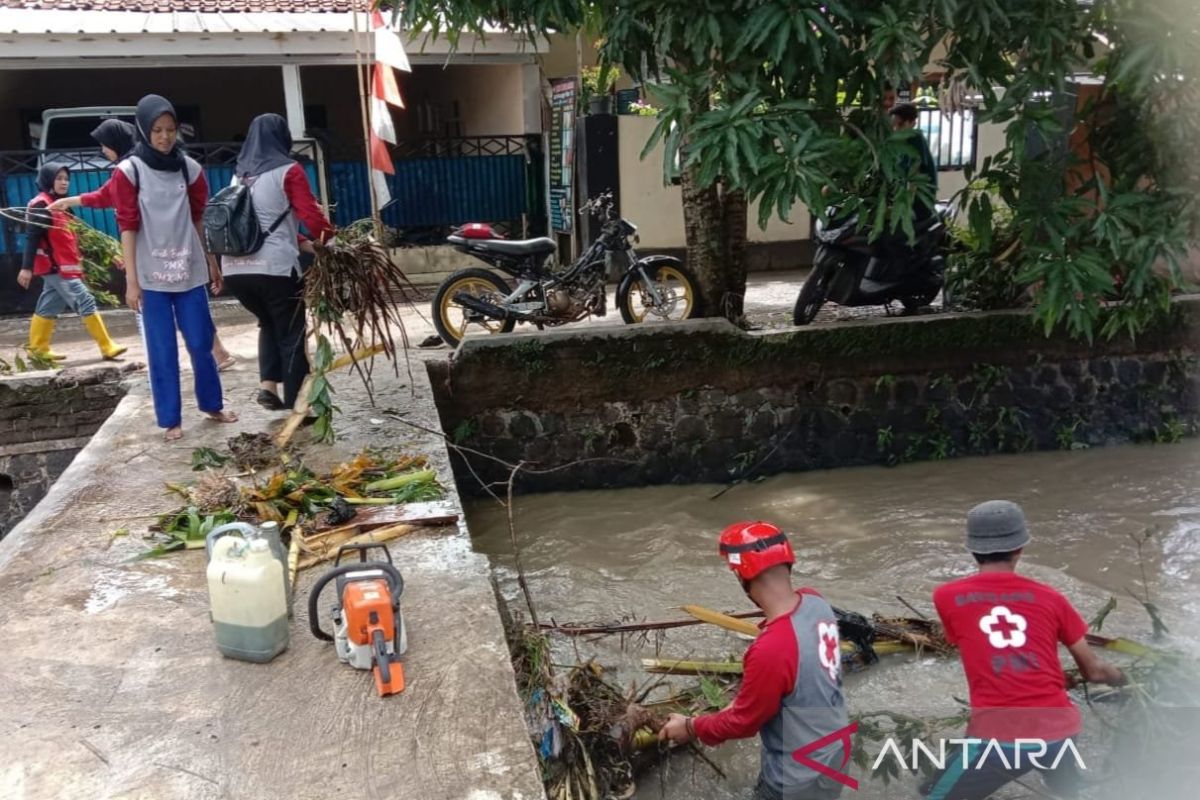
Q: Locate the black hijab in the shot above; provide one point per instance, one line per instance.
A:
(150, 108)
(46, 175)
(117, 135)
(268, 146)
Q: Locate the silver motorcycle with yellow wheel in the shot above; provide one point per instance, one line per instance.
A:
(479, 301)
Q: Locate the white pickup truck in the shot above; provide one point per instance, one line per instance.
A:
(64, 134)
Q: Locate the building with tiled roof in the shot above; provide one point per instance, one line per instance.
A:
(200, 7)
(223, 62)
(227, 60)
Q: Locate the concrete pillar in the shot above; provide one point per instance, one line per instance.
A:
(293, 99)
(531, 97)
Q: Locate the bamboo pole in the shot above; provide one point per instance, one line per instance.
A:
(666, 666)
(301, 407)
(669, 666)
(631, 627)
(360, 74)
(331, 547)
(1125, 646)
(904, 642)
(722, 620)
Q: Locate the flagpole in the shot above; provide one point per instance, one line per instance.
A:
(360, 75)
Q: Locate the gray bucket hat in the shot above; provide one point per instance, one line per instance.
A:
(996, 526)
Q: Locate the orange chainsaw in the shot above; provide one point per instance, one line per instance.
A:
(368, 628)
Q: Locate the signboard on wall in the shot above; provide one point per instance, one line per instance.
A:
(562, 154)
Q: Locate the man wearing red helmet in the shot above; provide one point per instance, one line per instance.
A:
(791, 692)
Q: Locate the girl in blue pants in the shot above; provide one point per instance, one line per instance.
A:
(160, 195)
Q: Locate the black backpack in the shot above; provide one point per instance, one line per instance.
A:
(230, 225)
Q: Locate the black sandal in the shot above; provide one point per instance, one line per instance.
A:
(269, 400)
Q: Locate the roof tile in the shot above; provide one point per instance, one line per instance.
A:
(190, 6)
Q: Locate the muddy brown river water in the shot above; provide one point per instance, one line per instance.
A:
(863, 537)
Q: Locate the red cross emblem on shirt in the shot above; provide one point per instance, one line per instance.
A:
(827, 648)
(1004, 628)
(831, 647)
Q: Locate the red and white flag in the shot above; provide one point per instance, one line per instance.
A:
(389, 49)
(389, 54)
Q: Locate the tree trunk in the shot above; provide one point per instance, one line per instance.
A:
(714, 223)
(734, 218)
(703, 229)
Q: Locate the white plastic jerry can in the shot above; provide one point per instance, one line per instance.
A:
(247, 599)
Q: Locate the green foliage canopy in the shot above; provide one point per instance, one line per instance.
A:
(779, 98)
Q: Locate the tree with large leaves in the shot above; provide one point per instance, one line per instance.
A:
(776, 101)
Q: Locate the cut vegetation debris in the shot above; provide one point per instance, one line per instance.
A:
(252, 452)
(28, 361)
(592, 737)
(101, 254)
(352, 290)
(302, 501)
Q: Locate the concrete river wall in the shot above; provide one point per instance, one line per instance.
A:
(703, 401)
(46, 418)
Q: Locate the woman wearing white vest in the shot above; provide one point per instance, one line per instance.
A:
(160, 195)
(268, 282)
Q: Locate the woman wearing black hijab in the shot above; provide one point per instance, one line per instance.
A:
(160, 196)
(52, 252)
(268, 282)
(116, 139)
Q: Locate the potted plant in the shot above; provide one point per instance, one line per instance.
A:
(640, 108)
(598, 84)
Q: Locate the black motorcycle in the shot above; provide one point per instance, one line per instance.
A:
(652, 287)
(851, 271)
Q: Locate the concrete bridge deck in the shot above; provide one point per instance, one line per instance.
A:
(111, 685)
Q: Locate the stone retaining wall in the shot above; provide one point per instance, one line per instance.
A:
(46, 418)
(703, 401)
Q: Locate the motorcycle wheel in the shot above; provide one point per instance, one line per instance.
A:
(812, 294)
(915, 301)
(677, 287)
(453, 322)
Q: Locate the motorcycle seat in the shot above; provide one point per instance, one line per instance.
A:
(510, 247)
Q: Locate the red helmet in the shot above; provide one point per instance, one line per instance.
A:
(751, 547)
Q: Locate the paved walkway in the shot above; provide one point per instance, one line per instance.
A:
(112, 686)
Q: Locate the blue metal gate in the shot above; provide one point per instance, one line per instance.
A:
(441, 183)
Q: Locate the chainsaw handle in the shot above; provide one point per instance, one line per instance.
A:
(362, 550)
(395, 585)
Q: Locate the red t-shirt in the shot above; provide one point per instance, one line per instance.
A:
(1008, 628)
(769, 671)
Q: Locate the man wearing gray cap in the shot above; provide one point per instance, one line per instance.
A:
(1008, 628)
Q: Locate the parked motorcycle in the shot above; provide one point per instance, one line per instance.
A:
(850, 271)
(651, 287)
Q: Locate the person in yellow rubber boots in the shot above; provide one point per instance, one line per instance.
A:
(52, 252)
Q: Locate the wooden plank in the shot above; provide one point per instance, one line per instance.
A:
(438, 512)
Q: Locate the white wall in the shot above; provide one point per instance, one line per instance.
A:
(657, 210)
(989, 141)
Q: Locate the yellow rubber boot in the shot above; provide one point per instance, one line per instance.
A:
(108, 348)
(40, 331)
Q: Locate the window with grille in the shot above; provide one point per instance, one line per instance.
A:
(952, 137)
